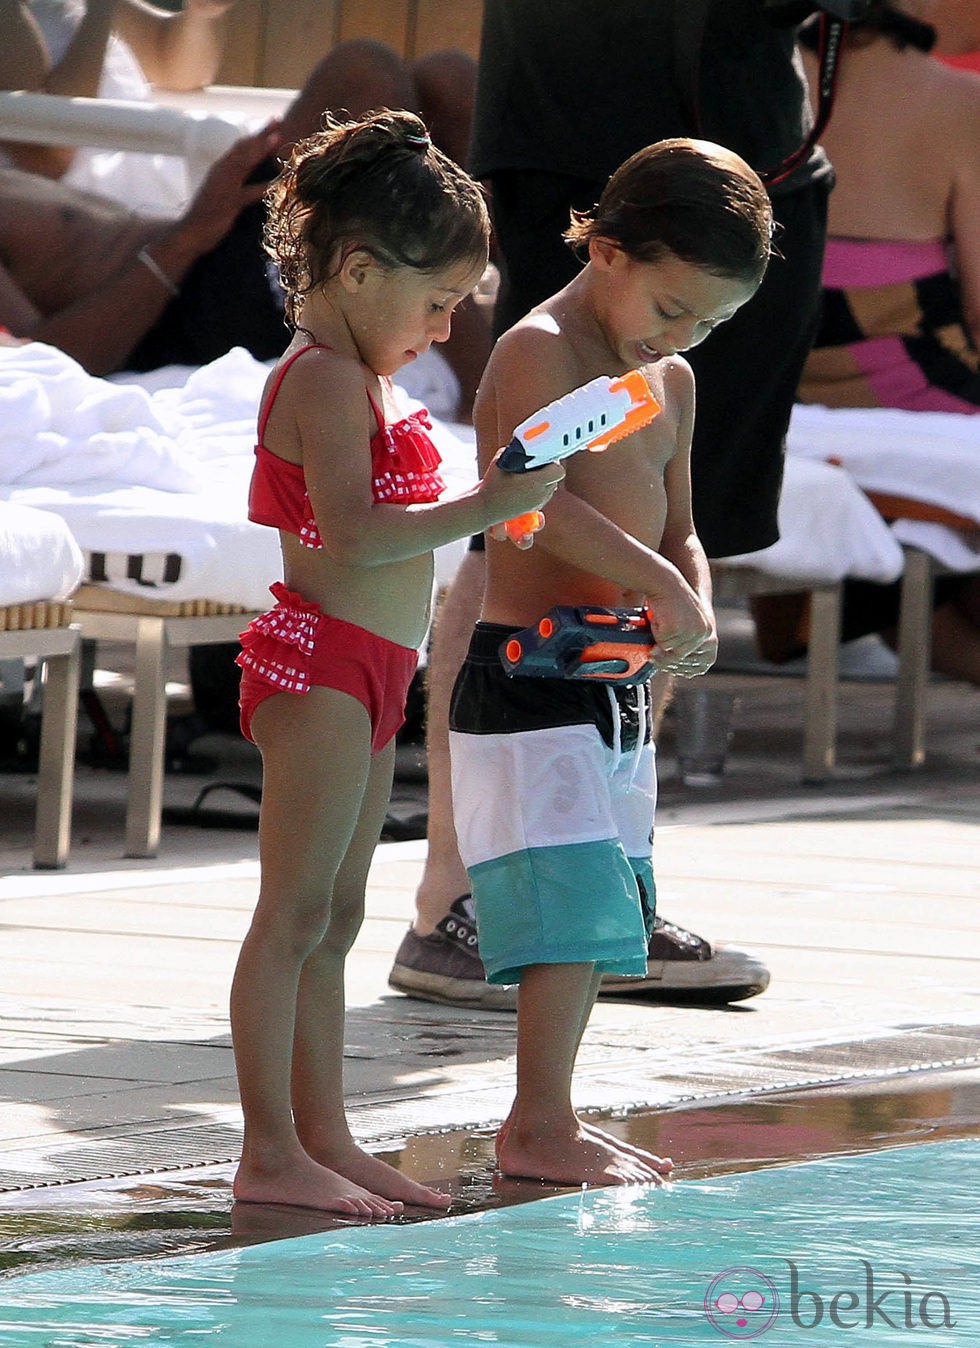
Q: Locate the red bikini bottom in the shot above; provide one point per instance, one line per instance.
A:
(296, 646)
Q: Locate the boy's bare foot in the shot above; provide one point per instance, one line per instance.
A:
(659, 1167)
(379, 1177)
(569, 1156)
(302, 1182)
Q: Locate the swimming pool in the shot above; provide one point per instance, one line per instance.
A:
(877, 1248)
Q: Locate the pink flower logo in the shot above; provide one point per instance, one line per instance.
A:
(741, 1303)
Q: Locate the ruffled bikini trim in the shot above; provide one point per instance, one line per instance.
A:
(406, 463)
(291, 622)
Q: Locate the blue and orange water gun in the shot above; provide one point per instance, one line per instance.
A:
(592, 417)
(608, 645)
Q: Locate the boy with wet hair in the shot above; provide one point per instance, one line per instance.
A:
(554, 780)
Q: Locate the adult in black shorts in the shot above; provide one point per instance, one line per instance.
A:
(565, 93)
(597, 83)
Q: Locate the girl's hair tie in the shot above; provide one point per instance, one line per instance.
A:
(422, 142)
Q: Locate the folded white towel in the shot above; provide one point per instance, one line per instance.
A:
(828, 529)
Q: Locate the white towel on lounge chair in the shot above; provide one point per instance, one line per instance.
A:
(932, 457)
(39, 558)
(153, 482)
(61, 426)
(828, 529)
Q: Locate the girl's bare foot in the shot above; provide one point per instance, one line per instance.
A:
(379, 1177)
(568, 1156)
(299, 1181)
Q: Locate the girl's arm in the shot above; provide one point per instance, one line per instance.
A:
(333, 420)
(176, 51)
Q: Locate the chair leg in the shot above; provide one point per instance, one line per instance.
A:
(59, 719)
(822, 670)
(914, 659)
(147, 740)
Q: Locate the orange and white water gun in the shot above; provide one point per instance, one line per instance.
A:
(592, 417)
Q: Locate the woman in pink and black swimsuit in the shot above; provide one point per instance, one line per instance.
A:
(901, 300)
(377, 237)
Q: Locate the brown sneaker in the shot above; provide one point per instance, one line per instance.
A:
(682, 967)
(446, 966)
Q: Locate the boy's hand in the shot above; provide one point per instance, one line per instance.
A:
(687, 641)
(689, 666)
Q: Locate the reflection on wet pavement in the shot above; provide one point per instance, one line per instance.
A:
(191, 1210)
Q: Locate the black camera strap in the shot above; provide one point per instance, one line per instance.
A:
(690, 17)
(831, 35)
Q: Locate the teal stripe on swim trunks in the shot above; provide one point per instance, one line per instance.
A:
(578, 903)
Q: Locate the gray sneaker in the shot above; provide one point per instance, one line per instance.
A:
(681, 967)
(446, 966)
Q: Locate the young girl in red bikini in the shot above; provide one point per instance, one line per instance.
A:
(377, 237)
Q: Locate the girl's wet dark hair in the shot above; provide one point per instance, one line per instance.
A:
(377, 183)
(697, 201)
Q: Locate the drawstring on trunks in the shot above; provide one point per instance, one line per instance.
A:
(617, 730)
(641, 728)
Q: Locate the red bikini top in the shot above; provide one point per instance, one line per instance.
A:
(404, 470)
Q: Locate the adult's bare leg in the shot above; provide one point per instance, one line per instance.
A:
(444, 876)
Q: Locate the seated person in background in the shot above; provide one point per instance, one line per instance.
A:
(119, 290)
(109, 49)
(901, 305)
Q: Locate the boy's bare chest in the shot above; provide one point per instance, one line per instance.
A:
(626, 482)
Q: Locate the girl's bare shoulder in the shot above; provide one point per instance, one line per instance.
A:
(321, 393)
(319, 377)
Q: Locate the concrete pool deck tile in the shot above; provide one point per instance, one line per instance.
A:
(861, 896)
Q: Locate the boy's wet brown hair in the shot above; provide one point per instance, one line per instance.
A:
(690, 198)
(379, 184)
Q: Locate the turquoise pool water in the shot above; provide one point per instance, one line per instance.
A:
(881, 1248)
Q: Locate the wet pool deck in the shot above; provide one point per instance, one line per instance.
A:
(861, 895)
